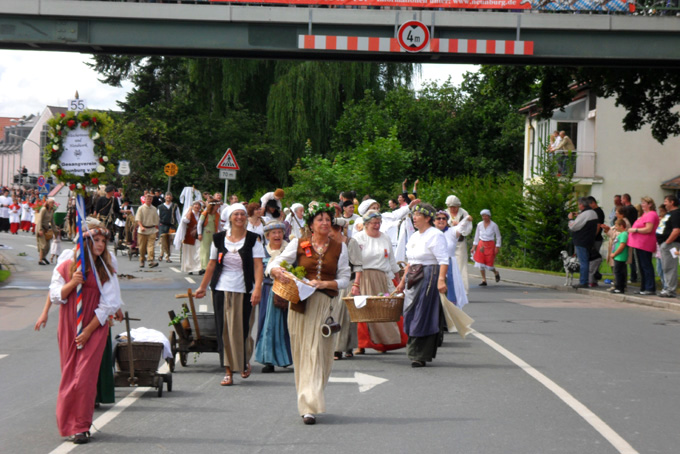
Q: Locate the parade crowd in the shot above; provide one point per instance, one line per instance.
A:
(349, 248)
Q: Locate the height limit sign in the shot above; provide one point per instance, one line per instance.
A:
(413, 36)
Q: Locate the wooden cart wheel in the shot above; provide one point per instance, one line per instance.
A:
(173, 350)
(159, 385)
(183, 358)
(168, 380)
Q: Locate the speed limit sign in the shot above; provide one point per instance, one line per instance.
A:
(413, 36)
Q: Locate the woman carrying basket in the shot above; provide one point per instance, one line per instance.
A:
(327, 267)
(380, 268)
(424, 279)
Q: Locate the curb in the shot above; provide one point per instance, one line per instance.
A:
(629, 299)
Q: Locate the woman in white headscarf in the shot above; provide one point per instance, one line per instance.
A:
(235, 275)
(186, 239)
(296, 220)
(486, 246)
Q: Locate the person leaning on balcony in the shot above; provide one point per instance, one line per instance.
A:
(555, 140)
(565, 146)
(583, 230)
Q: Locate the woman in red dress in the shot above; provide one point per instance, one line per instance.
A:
(81, 354)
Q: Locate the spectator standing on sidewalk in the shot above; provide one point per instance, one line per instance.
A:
(641, 236)
(668, 237)
(612, 214)
(595, 255)
(619, 256)
(583, 227)
(631, 215)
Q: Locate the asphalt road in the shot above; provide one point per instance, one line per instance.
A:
(569, 374)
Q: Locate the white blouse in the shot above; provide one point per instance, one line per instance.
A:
(377, 253)
(487, 233)
(232, 278)
(452, 234)
(289, 254)
(110, 299)
(427, 248)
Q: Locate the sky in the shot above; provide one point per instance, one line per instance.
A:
(31, 80)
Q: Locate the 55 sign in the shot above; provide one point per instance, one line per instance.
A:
(77, 105)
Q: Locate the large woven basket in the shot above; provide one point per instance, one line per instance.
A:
(377, 309)
(287, 291)
(146, 355)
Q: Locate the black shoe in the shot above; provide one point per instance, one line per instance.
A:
(201, 273)
(153, 264)
(483, 284)
(498, 277)
(418, 364)
(268, 369)
(81, 438)
(309, 420)
(42, 262)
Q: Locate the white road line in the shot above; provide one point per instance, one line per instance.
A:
(174, 269)
(110, 414)
(584, 412)
(189, 280)
(3, 356)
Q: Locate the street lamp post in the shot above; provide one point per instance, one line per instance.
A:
(21, 153)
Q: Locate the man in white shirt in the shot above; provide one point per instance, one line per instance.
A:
(5, 202)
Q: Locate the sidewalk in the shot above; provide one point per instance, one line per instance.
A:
(535, 279)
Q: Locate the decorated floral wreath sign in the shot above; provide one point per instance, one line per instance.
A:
(77, 153)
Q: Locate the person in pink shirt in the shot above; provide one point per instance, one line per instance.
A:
(641, 237)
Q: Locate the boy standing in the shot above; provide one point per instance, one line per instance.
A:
(620, 257)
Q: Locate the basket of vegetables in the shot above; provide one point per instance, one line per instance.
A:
(289, 290)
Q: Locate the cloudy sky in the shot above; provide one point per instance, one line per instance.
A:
(30, 80)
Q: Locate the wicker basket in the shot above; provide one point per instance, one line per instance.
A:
(287, 291)
(377, 309)
(146, 355)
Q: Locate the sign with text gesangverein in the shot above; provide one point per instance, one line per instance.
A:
(78, 156)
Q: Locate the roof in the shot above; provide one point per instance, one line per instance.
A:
(531, 107)
(673, 184)
(7, 121)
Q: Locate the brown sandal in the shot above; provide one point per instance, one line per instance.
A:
(246, 373)
(227, 381)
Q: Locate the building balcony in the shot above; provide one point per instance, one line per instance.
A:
(582, 163)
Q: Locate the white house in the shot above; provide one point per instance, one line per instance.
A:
(609, 160)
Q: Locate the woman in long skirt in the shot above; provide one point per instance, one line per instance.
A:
(273, 340)
(327, 267)
(208, 225)
(235, 272)
(379, 270)
(186, 239)
(346, 339)
(81, 354)
(454, 281)
(424, 279)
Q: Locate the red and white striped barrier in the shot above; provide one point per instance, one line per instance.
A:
(444, 46)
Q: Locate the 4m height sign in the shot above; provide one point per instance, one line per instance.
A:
(413, 36)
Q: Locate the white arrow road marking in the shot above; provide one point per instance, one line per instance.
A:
(110, 414)
(175, 269)
(584, 412)
(3, 356)
(190, 280)
(364, 381)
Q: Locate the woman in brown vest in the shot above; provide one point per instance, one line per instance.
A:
(327, 268)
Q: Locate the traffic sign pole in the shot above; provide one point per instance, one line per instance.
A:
(169, 182)
(226, 187)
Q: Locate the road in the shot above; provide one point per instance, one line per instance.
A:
(545, 371)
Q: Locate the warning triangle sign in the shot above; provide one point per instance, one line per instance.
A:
(228, 161)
